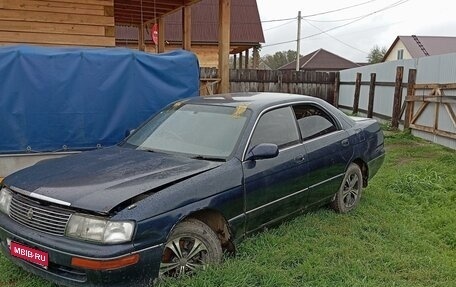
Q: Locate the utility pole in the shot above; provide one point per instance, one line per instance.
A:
(298, 48)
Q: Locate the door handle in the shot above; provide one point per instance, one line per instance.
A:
(345, 142)
(299, 158)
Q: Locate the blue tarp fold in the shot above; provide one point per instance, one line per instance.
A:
(76, 98)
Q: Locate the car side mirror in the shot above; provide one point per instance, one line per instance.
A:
(263, 151)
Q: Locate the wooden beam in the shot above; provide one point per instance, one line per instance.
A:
(432, 99)
(141, 44)
(370, 105)
(187, 28)
(51, 39)
(48, 17)
(247, 59)
(397, 98)
(336, 90)
(54, 7)
(357, 91)
(234, 61)
(52, 28)
(432, 131)
(436, 116)
(161, 35)
(419, 112)
(449, 86)
(451, 113)
(224, 44)
(410, 92)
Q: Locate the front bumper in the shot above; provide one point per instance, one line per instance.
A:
(61, 250)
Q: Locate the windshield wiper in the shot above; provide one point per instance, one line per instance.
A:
(203, 157)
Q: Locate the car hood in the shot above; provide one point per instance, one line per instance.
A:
(102, 179)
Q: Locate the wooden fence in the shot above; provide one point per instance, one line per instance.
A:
(420, 98)
(317, 84)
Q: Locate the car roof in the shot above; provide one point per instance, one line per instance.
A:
(260, 101)
(254, 101)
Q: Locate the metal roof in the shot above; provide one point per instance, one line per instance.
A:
(321, 60)
(245, 24)
(421, 46)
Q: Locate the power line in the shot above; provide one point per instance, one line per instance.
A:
(339, 9)
(278, 20)
(400, 2)
(338, 40)
(333, 21)
(289, 22)
(320, 13)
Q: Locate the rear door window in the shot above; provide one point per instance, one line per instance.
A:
(313, 121)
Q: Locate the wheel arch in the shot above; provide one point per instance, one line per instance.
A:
(217, 222)
(364, 170)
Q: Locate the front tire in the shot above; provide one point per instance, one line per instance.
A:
(192, 245)
(349, 194)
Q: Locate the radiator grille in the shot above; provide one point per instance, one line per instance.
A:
(43, 218)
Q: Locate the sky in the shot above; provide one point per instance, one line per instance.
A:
(366, 24)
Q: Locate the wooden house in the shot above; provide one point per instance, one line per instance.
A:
(93, 23)
(246, 31)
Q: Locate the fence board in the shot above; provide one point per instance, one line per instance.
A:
(317, 84)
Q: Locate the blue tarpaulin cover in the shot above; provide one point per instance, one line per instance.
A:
(75, 98)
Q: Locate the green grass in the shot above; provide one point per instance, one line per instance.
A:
(402, 234)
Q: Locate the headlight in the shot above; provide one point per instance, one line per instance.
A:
(99, 229)
(5, 200)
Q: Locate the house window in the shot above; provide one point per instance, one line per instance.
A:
(400, 54)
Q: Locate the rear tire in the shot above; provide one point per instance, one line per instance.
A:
(349, 194)
(192, 245)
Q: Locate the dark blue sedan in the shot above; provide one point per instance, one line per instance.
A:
(185, 187)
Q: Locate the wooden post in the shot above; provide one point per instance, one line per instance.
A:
(187, 27)
(336, 90)
(224, 45)
(141, 45)
(410, 93)
(234, 61)
(370, 106)
(256, 57)
(397, 98)
(241, 65)
(161, 35)
(247, 59)
(357, 91)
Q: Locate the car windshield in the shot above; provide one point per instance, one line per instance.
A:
(199, 131)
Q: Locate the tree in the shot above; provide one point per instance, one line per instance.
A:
(376, 54)
(279, 59)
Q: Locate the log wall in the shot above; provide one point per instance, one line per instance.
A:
(57, 22)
